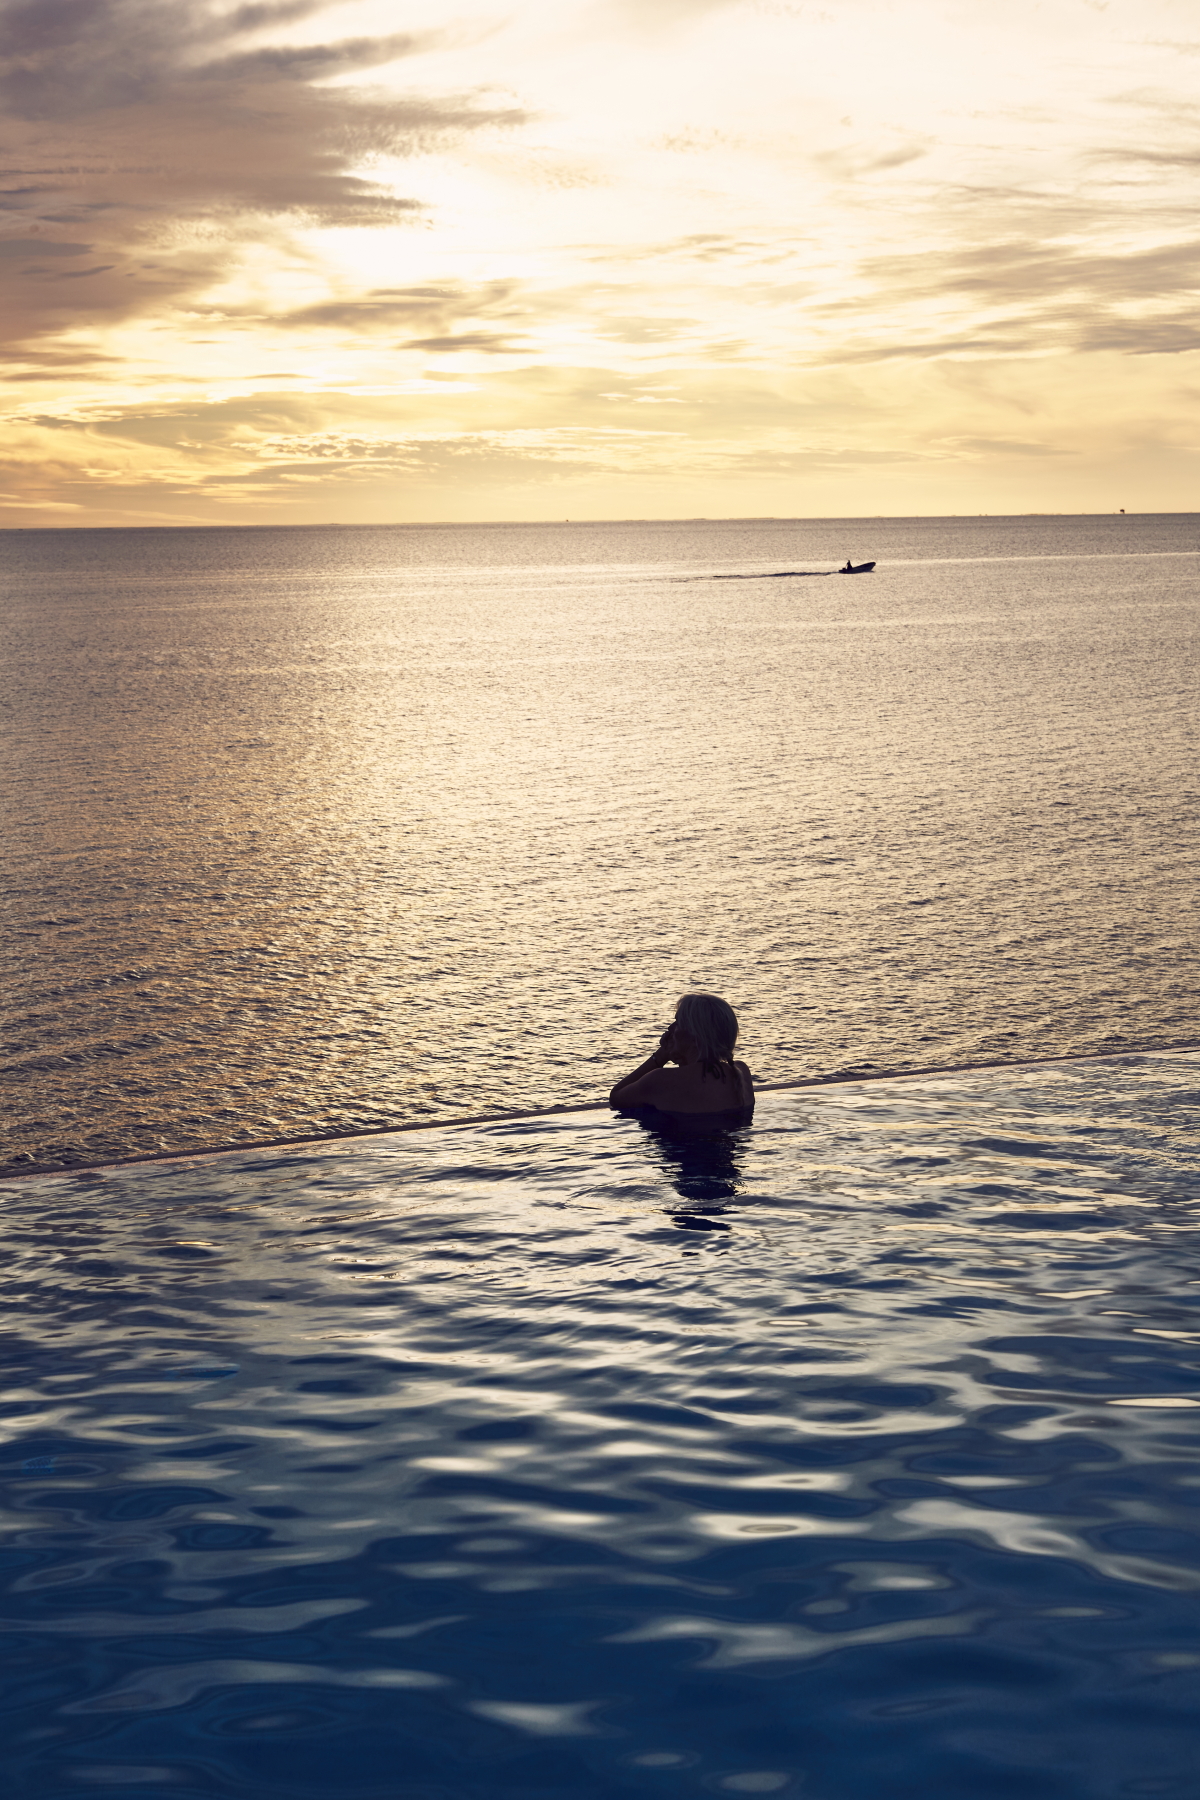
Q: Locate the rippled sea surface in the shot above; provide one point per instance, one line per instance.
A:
(305, 831)
(851, 1454)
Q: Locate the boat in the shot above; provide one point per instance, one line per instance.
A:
(856, 568)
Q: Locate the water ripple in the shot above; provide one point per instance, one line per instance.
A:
(461, 1462)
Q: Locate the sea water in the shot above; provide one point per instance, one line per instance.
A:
(312, 830)
(851, 1454)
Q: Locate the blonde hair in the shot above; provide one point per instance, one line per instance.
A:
(711, 1024)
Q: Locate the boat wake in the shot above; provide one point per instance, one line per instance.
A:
(786, 574)
(765, 575)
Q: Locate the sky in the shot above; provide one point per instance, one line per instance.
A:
(389, 261)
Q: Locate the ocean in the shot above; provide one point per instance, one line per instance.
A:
(309, 831)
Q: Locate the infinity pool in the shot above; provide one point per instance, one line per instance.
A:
(855, 1453)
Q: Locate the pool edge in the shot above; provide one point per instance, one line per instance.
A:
(839, 1079)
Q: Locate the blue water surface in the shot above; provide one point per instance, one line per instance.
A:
(852, 1453)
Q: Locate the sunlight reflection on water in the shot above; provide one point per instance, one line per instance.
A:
(312, 830)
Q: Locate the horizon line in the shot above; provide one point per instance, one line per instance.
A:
(518, 524)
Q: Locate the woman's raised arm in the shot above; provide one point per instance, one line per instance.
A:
(621, 1094)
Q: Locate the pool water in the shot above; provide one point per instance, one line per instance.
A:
(852, 1453)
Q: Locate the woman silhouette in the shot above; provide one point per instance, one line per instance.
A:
(707, 1084)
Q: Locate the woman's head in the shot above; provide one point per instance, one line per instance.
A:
(711, 1026)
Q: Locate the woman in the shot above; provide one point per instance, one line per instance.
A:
(707, 1080)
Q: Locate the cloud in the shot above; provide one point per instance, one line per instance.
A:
(491, 342)
(1021, 297)
(32, 246)
(449, 318)
(309, 62)
(795, 237)
(145, 140)
(852, 164)
(641, 330)
(67, 59)
(1004, 271)
(698, 246)
(420, 450)
(437, 312)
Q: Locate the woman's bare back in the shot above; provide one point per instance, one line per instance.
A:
(689, 1090)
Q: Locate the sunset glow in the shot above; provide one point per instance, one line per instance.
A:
(292, 262)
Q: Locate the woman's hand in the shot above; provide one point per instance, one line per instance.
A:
(666, 1047)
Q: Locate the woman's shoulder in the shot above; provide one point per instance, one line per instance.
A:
(649, 1090)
